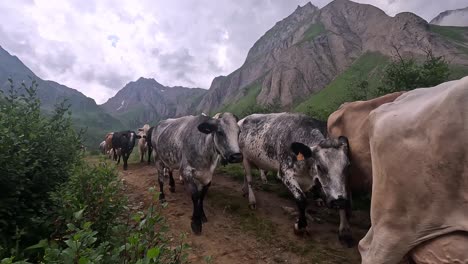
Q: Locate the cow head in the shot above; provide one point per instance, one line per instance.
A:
(327, 163)
(225, 133)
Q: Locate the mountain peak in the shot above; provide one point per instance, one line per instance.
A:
(457, 17)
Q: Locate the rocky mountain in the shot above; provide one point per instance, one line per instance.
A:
(458, 17)
(86, 114)
(147, 101)
(310, 48)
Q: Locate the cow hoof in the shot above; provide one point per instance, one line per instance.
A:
(300, 231)
(346, 239)
(196, 228)
(162, 198)
(125, 168)
(172, 189)
(253, 206)
(265, 182)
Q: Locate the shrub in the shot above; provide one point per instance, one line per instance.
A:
(37, 154)
(405, 74)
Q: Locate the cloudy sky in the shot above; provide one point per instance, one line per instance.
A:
(99, 46)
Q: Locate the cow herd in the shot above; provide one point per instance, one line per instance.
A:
(409, 150)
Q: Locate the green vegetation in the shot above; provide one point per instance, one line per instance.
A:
(373, 75)
(404, 74)
(313, 31)
(457, 71)
(263, 229)
(56, 209)
(369, 66)
(247, 105)
(457, 34)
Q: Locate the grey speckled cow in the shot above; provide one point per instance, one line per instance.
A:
(294, 145)
(194, 145)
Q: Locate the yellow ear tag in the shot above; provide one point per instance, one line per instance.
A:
(300, 156)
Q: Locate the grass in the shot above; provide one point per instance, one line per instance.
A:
(236, 172)
(248, 101)
(249, 221)
(313, 31)
(367, 67)
(458, 34)
(458, 71)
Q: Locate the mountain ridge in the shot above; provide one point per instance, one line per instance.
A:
(316, 46)
(457, 17)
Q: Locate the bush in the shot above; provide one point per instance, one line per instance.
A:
(37, 154)
(405, 74)
(77, 212)
(101, 230)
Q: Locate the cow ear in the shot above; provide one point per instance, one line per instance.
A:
(208, 127)
(344, 143)
(301, 151)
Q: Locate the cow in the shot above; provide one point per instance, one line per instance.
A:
(294, 145)
(111, 153)
(419, 150)
(351, 120)
(142, 143)
(102, 147)
(194, 145)
(149, 146)
(108, 140)
(125, 141)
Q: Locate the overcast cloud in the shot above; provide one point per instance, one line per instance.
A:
(97, 47)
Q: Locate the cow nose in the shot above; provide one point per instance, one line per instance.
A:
(235, 158)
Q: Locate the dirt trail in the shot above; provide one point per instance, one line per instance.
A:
(236, 234)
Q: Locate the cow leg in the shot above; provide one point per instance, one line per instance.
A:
(150, 150)
(196, 223)
(293, 186)
(344, 232)
(171, 182)
(247, 188)
(160, 170)
(142, 155)
(118, 160)
(202, 197)
(125, 159)
(114, 152)
(263, 176)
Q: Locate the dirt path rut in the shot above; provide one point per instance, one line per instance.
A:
(236, 234)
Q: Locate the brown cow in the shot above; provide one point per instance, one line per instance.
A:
(108, 140)
(351, 120)
(419, 148)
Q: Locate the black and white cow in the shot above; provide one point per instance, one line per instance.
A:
(125, 141)
(194, 145)
(294, 145)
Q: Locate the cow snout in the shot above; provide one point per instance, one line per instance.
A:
(235, 158)
(339, 203)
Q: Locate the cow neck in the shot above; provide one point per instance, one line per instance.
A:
(215, 151)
